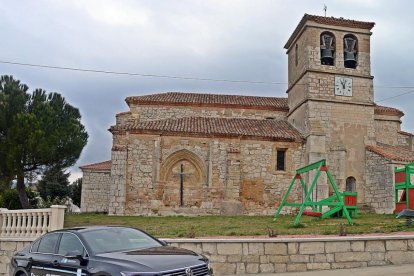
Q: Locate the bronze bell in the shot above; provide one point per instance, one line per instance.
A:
(327, 56)
(350, 60)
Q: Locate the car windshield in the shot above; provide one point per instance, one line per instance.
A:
(118, 239)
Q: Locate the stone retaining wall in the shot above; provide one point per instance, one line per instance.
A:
(276, 255)
(7, 249)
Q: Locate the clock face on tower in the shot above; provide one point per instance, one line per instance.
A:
(343, 86)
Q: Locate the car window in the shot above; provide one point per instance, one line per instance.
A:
(118, 239)
(48, 243)
(70, 245)
(35, 246)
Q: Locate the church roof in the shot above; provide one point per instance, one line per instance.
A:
(272, 130)
(394, 153)
(385, 110)
(332, 21)
(213, 100)
(101, 166)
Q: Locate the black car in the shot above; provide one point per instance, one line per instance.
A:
(103, 251)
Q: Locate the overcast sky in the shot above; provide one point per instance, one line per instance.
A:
(216, 39)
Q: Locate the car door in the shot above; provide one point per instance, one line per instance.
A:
(69, 247)
(43, 255)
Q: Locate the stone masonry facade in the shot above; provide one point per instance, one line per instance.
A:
(192, 153)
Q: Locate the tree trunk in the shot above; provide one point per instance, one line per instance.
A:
(21, 189)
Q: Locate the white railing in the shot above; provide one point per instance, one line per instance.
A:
(30, 223)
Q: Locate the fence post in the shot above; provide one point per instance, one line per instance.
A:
(2, 220)
(57, 217)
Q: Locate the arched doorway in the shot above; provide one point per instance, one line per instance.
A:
(350, 185)
(182, 176)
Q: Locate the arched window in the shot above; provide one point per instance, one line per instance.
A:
(327, 48)
(350, 51)
(350, 184)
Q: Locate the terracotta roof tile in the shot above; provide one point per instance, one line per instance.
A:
(102, 166)
(394, 153)
(332, 21)
(215, 100)
(405, 133)
(123, 113)
(217, 127)
(385, 110)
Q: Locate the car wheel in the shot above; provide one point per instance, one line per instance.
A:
(21, 273)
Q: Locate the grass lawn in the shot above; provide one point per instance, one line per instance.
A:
(207, 226)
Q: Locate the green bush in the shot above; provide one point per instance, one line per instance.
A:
(9, 199)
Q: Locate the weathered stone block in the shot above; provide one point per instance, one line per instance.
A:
(252, 268)
(229, 248)
(256, 248)
(293, 248)
(279, 259)
(312, 247)
(8, 246)
(352, 257)
(234, 258)
(357, 245)
(240, 268)
(223, 268)
(296, 267)
(378, 256)
(375, 246)
(279, 268)
(218, 259)
(299, 258)
(251, 259)
(266, 268)
(348, 265)
(398, 257)
(275, 249)
(318, 266)
(399, 245)
(334, 247)
(209, 248)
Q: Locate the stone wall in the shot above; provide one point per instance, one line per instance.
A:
(386, 130)
(231, 172)
(7, 250)
(95, 191)
(379, 187)
(276, 255)
(156, 112)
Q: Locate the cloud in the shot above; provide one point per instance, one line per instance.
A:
(232, 39)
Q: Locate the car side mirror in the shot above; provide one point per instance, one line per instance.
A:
(163, 242)
(74, 255)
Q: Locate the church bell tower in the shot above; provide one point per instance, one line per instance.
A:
(330, 93)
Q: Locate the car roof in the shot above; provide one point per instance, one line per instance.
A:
(88, 228)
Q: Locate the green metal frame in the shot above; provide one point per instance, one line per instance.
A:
(336, 200)
(406, 185)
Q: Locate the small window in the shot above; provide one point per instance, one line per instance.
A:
(350, 185)
(296, 54)
(48, 243)
(35, 246)
(281, 160)
(70, 246)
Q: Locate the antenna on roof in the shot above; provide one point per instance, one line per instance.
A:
(325, 8)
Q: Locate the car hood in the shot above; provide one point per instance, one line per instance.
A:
(156, 259)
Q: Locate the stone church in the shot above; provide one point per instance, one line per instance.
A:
(188, 153)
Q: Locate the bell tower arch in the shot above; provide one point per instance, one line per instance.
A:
(330, 92)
